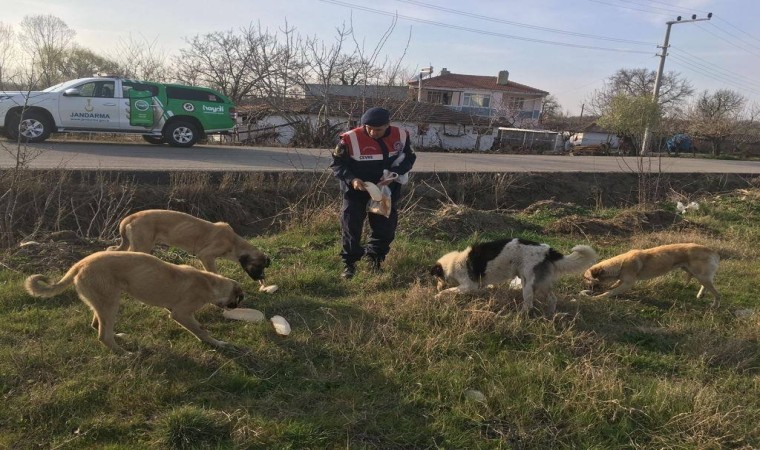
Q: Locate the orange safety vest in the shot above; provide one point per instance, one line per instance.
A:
(363, 148)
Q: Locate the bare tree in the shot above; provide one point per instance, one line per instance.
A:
(79, 62)
(48, 38)
(674, 90)
(238, 64)
(550, 109)
(7, 40)
(716, 117)
(141, 59)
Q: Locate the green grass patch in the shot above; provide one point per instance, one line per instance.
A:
(377, 362)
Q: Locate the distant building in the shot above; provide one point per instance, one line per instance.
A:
(376, 91)
(593, 134)
(286, 121)
(488, 96)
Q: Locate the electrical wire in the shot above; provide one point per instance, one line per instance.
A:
(740, 39)
(478, 31)
(712, 67)
(738, 29)
(725, 80)
(726, 40)
(523, 25)
(630, 8)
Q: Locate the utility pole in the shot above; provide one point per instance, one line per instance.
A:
(658, 77)
(424, 70)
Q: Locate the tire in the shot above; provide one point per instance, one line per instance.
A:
(155, 140)
(181, 134)
(33, 127)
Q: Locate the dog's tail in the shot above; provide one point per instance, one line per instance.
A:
(124, 226)
(41, 286)
(581, 258)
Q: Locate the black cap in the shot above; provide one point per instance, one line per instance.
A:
(376, 117)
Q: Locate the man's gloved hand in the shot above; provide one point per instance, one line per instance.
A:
(358, 184)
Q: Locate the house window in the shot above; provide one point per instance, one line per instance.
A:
(476, 100)
(516, 103)
(439, 98)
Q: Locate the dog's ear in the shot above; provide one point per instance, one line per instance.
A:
(267, 261)
(244, 260)
(437, 271)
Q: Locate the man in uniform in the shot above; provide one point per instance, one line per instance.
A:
(362, 155)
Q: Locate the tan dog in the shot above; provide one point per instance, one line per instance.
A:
(101, 278)
(141, 231)
(697, 260)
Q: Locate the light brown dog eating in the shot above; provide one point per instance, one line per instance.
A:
(624, 270)
(141, 231)
(102, 277)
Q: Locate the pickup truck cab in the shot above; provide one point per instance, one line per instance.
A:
(162, 113)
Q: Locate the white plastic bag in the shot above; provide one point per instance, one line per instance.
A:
(380, 199)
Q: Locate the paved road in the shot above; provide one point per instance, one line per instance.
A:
(109, 156)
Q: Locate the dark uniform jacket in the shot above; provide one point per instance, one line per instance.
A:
(357, 155)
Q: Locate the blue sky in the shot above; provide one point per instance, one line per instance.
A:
(565, 47)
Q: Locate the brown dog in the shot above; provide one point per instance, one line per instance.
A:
(141, 231)
(696, 260)
(101, 278)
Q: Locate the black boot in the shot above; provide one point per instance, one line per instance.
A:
(375, 265)
(348, 271)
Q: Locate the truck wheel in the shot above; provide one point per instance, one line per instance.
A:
(33, 127)
(155, 140)
(181, 134)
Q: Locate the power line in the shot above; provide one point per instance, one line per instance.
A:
(669, 4)
(740, 39)
(630, 8)
(712, 67)
(727, 41)
(523, 25)
(669, 10)
(478, 31)
(737, 28)
(651, 9)
(694, 68)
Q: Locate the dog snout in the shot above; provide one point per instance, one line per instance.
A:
(254, 266)
(257, 273)
(236, 298)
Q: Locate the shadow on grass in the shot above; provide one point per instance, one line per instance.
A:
(305, 389)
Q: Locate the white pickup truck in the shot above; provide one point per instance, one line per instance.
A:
(162, 113)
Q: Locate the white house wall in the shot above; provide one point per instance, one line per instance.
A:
(437, 135)
(594, 139)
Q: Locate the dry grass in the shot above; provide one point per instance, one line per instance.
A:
(376, 362)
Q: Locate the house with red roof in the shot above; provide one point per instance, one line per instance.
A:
(496, 97)
(316, 121)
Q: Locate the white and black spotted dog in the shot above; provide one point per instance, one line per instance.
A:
(537, 265)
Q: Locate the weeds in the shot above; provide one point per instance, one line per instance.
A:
(376, 362)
